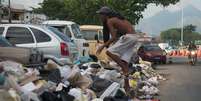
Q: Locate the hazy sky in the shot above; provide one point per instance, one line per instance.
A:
(27, 4)
(152, 9)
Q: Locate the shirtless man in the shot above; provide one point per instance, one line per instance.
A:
(122, 50)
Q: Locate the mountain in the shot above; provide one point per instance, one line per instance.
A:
(165, 20)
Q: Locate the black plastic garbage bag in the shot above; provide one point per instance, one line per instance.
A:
(99, 85)
(48, 96)
(57, 96)
(115, 99)
(55, 76)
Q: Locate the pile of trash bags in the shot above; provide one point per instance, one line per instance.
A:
(82, 81)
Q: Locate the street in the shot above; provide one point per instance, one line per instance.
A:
(184, 82)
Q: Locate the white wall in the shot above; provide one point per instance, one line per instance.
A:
(34, 18)
(27, 4)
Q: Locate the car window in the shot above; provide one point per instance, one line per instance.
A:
(59, 34)
(152, 48)
(1, 30)
(40, 36)
(4, 42)
(63, 29)
(19, 35)
(68, 32)
(60, 28)
(100, 35)
(76, 31)
(89, 34)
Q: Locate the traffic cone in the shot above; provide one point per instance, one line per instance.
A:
(184, 54)
(199, 53)
(188, 53)
(174, 53)
(171, 53)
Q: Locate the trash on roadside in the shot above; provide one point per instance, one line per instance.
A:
(84, 81)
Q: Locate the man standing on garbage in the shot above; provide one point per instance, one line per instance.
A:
(120, 33)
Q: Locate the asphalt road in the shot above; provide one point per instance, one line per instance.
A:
(184, 81)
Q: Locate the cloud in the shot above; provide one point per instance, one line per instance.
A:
(153, 9)
(196, 3)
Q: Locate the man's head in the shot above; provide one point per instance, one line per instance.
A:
(104, 12)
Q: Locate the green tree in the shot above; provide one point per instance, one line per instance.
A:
(173, 35)
(190, 28)
(54, 9)
(83, 11)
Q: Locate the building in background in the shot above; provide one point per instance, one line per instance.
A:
(20, 13)
(144, 37)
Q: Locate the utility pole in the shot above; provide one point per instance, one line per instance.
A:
(182, 26)
(1, 11)
(9, 12)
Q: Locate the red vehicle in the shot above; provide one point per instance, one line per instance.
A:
(152, 53)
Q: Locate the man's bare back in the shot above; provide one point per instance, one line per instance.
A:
(121, 25)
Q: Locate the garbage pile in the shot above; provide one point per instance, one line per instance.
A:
(81, 81)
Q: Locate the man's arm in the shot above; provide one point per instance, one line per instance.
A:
(112, 32)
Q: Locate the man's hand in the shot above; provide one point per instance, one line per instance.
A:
(99, 50)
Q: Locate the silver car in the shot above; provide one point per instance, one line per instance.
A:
(51, 42)
(28, 57)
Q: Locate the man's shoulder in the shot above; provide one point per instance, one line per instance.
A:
(113, 19)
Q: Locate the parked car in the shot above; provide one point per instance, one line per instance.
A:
(163, 46)
(72, 30)
(55, 46)
(4, 42)
(26, 56)
(152, 53)
(94, 36)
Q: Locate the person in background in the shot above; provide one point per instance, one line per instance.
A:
(120, 39)
(192, 46)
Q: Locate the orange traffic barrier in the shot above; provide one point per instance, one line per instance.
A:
(174, 53)
(199, 53)
(184, 54)
(171, 53)
(187, 53)
(178, 53)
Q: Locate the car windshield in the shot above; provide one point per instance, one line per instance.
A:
(76, 31)
(4, 42)
(60, 34)
(63, 29)
(60, 28)
(89, 34)
(152, 48)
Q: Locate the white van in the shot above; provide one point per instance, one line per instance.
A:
(163, 46)
(73, 31)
